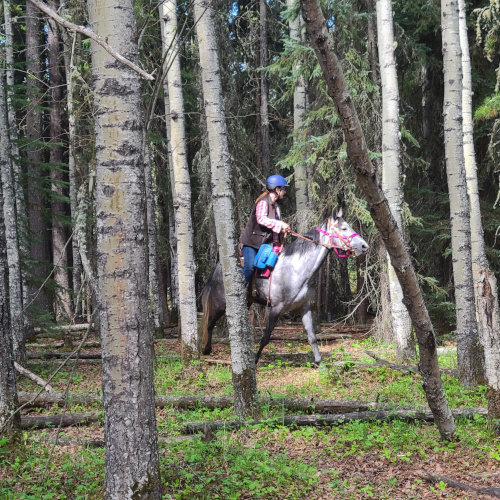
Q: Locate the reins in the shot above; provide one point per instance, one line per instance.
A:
(346, 241)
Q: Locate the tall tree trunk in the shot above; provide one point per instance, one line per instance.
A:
(39, 245)
(11, 238)
(381, 215)
(181, 185)
(240, 334)
(172, 236)
(9, 423)
(153, 271)
(21, 215)
(62, 306)
(391, 169)
(132, 469)
(299, 111)
(469, 350)
(486, 291)
(71, 68)
(362, 290)
(371, 42)
(264, 92)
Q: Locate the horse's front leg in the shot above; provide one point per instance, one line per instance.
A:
(274, 314)
(308, 322)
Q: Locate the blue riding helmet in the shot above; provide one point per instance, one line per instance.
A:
(275, 181)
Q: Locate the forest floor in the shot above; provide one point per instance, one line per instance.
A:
(355, 460)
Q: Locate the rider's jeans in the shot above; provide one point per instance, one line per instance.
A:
(249, 254)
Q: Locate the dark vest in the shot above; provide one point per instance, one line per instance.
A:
(254, 234)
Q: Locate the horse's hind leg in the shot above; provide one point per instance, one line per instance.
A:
(274, 314)
(308, 322)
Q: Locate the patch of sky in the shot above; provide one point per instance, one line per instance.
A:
(233, 12)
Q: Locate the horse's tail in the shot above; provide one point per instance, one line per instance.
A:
(207, 306)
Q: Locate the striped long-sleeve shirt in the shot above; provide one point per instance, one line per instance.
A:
(263, 219)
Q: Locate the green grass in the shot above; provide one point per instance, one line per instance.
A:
(268, 461)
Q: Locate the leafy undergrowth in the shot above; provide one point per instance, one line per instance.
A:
(350, 461)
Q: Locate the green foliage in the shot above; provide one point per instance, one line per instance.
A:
(228, 469)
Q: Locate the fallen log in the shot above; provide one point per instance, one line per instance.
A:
(405, 368)
(31, 400)
(99, 443)
(61, 420)
(64, 328)
(436, 478)
(38, 380)
(62, 355)
(58, 345)
(329, 419)
(213, 402)
(291, 338)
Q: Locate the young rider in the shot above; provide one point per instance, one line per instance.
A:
(264, 224)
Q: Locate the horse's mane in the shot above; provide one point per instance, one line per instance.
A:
(300, 246)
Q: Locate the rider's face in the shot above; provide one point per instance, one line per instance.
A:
(281, 192)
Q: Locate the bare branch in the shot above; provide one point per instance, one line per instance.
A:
(89, 33)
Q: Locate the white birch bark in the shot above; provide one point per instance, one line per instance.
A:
(172, 238)
(485, 289)
(12, 245)
(391, 169)
(299, 110)
(9, 420)
(240, 334)
(181, 185)
(469, 351)
(71, 71)
(132, 463)
(18, 187)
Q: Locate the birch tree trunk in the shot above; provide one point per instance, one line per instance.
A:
(9, 424)
(381, 215)
(70, 63)
(39, 245)
(62, 306)
(299, 110)
(486, 291)
(240, 335)
(391, 169)
(469, 350)
(181, 185)
(10, 228)
(13, 134)
(264, 92)
(132, 469)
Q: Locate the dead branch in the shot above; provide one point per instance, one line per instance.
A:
(89, 33)
(436, 478)
(38, 380)
(405, 368)
(329, 419)
(213, 402)
(61, 420)
(65, 328)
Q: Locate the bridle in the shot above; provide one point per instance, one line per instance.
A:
(342, 251)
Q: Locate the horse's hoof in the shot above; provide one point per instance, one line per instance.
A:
(206, 351)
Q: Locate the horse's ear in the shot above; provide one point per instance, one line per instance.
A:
(339, 213)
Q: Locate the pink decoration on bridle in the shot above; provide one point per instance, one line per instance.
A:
(345, 240)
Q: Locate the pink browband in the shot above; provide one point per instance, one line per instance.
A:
(345, 240)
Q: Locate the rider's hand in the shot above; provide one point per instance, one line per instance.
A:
(285, 228)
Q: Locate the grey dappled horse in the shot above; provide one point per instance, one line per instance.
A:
(293, 281)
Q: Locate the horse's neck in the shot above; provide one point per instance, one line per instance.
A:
(317, 257)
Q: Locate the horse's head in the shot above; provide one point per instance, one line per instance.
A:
(342, 237)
